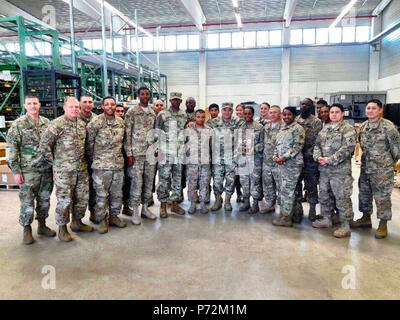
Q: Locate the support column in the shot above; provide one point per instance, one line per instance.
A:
(285, 69)
(374, 54)
(202, 72)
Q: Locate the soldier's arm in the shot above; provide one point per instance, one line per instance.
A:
(91, 137)
(13, 148)
(299, 137)
(346, 150)
(47, 144)
(259, 142)
(393, 137)
(129, 122)
(317, 153)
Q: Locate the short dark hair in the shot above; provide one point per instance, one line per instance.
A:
(108, 97)
(199, 111)
(120, 105)
(213, 106)
(31, 96)
(269, 106)
(250, 108)
(142, 88)
(310, 101)
(378, 102)
(87, 95)
(337, 105)
(323, 102)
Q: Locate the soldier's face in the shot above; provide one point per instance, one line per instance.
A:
(305, 106)
(190, 105)
(71, 108)
(324, 114)
(239, 112)
(109, 107)
(86, 104)
(175, 103)
(274, 114)
(288, 117)
(32, 106)
(248, 115)
(144, 97)
(227, 114)
(319, 108)
(214, 112)
(373, 111)
(264, 110)
(158, 106)
(200, 118)
(119, 111)
(336, 115)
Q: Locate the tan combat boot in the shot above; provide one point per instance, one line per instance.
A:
(63, 234)
(78, 226)
(325, 222)
(268, 210)
(218, 202)
(203, 208)
(227, 202)
(381, 232)
(177, 209)
(312, 214)
(343, 231)
(127, 211)
(116, 222)
(27, 235)
(363, 222)
(245, 205)
(283, 221)
(103, 226)
(163, 210)
(44, 230)
(192, 209)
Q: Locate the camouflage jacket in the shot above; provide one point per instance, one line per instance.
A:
(139, 130)
(263, 121)
(312, 126)
(337, 144)
(289, 144)
(249, 141)
(63, 145)
(23, 142)
(380, 144)
(86, 120)
(105, 142)
(190, 116)
(270, 132)
(198, 145)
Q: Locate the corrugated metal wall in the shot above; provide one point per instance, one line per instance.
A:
(390, 52)
(244, 66)
(344, 63)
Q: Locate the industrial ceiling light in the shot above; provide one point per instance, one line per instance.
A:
(238, 19)
(345, 11)
(235, 3)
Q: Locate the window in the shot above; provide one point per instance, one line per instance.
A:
(322, 36)
(160, 43)
(170, 43)
(225, 40)
(65, 50)
(87, 44)
(148, 44)
(349, 34)
(194, 41)
(212, 41)
(262, 38)
(237, 39)
(335, 35)
(250, 39)
(296, 36)
(182, 42)
(118, 45)
(30, 50)
(275, 38)
(362, 34)
(46, 48)
(108, 45)
(96, 44)
(308, 36)
(138, 46)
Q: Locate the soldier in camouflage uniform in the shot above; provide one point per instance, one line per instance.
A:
(170, 124)
(288, 155)
(86, 105)
(270, 169)
(213, 109)
(140, 121)
(380, 144)
(198, 162)
(312, 126)
(333, 150)
(104, 148)
(223, 166)
(30, 172)
(248, 159)
(63, 146)
(264, 113)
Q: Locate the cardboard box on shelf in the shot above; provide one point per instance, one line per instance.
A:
(6, 177)
(2, 150)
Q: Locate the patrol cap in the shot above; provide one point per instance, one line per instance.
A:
(175, 95)
(227, 105)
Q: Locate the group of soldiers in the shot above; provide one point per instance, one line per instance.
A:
(111, 160)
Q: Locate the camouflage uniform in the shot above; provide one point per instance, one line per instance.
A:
(248, 158)
(337, 143)
(104, 149)
(289, 144)
(139, 137)
(263, 121)
(63, 146)
(198, 162)
(270, 169)
(380, 144)
(223, 165)
(170, 125)
(23, 156)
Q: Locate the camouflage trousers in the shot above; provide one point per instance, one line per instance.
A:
(72, 192)
(37, 186)
(310, 175)
(142, 177)
(198, 178)
(108, 186)
(169, 178)
(250, 180)
(377, 186)
(270, 183)
(289, 176)
(219, 172)
(335, 189)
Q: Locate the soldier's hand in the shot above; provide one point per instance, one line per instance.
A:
(131, 161)
(279, 160)
(191, 125)
(19, 178)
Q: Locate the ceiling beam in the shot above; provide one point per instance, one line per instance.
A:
(194, 9)
(289, 10)
(380, 7)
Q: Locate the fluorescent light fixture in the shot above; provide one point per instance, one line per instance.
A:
(238, 20)
(345, 11)
(235, 3)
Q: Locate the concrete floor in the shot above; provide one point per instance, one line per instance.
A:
(215, 256)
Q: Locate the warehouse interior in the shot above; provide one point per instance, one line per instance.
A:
(214, 51)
